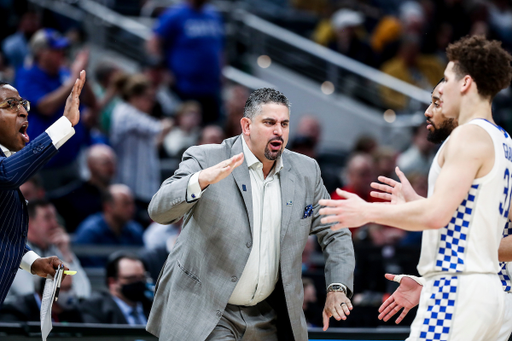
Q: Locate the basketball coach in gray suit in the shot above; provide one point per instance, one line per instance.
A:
(249, 206)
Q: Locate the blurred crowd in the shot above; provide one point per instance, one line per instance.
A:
(136, 125)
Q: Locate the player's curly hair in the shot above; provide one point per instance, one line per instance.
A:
(485, 61)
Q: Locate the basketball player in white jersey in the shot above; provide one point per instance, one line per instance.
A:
(462, 297)
(408, 294)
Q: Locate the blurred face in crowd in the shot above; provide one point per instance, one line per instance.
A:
(13, 120)
(360, 173)
(267, 133)
(51, 59)
(122, 206)
(101, 161)
(190, 119)
(211, 135)
(145, 101)
(43, 225)
(439, 126)
(130, 282)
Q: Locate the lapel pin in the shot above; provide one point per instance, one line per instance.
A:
(244, 188)
(289, 203)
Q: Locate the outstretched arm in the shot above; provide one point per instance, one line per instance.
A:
(470, 149)
(406, 297)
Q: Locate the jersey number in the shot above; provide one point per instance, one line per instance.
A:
(505, 204)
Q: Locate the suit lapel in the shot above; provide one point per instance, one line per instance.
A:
(243, 181)
(286, 179)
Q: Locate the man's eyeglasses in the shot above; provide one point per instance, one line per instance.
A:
(15, 103)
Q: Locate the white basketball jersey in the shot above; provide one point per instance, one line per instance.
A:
(470, 241)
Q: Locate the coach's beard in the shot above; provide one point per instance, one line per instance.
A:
(274, 155)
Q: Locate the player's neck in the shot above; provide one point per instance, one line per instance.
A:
(472, 107)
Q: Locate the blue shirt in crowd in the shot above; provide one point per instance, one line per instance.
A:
(95, 231)
(33, 84)
(193, 43)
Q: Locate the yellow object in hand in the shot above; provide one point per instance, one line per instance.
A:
(69, 272)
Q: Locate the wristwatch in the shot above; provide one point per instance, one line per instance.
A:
(337, 288)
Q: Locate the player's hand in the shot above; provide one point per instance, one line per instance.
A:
(407, 296)
(46, 266)
(345, 213)
(216, 173)
(337, 305)
(71, 111)
(393, 191)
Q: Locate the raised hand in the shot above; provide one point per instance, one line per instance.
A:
(393, 191)
(71, 111)
(345, 213)
(216, 173)
(406, 297)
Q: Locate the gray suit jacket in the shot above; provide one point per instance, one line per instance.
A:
(210, 254)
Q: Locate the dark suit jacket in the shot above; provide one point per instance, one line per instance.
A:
(14, 171)
(101, 308)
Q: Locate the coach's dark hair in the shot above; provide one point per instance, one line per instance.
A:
(112, 268)
(485, 61)
(263, 96)
(34, 204)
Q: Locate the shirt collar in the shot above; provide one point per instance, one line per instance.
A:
(6, 151)
(252, 160)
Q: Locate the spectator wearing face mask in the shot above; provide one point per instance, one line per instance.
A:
(128, 298)
(27, 307)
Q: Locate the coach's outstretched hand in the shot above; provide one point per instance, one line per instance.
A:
(407, 296)
(71, 111)
(214, 174)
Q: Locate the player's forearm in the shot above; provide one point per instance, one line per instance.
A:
(419, 215)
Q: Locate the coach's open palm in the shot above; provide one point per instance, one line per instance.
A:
(71, 111)
(220, 171)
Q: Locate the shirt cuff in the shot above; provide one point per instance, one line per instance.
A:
(194, 189)
(60, 131)
(27, 260)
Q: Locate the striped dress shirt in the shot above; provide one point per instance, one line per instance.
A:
(133, 136)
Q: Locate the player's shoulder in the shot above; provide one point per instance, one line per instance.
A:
(470, 138)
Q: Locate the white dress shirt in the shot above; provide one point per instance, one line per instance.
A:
(262, 269)
(59, 133)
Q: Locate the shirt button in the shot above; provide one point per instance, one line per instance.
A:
(219, 313)
(234, 278)
(249, 244)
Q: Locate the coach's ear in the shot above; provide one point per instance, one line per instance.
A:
(245, 122)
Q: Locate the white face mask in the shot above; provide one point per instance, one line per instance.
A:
(67, 299)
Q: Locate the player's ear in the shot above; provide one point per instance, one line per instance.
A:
(466, 83)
